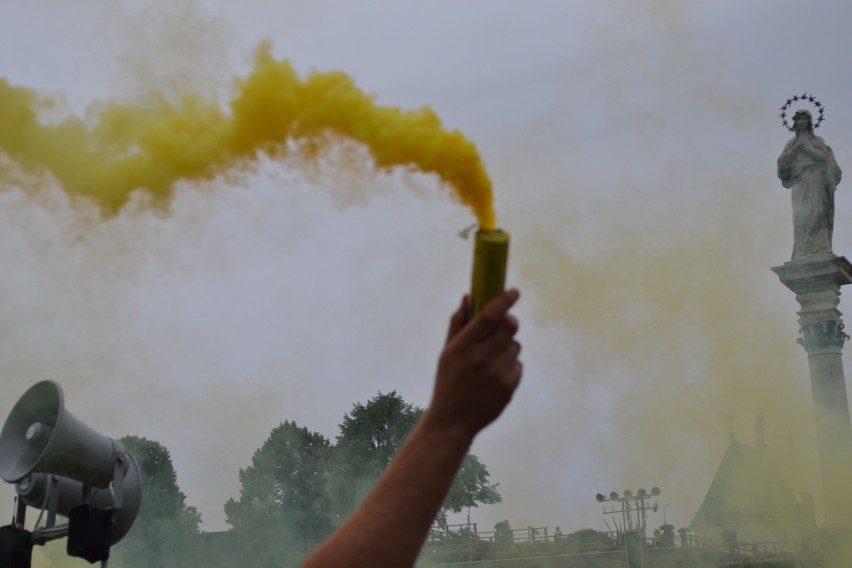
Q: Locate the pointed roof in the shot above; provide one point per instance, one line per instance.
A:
(750, 485)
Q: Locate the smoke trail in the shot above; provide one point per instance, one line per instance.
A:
(648, 270)
(152, 146)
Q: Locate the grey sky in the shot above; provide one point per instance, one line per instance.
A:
(632, 147)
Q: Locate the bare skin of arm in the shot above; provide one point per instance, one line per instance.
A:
(478, 372)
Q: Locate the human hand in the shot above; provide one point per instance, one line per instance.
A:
(479, 369)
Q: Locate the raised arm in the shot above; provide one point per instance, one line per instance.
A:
(477, 373)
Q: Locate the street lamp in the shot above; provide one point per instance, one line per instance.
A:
(634, 538)
(631, 502)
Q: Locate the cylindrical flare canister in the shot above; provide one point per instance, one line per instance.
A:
(490, 255)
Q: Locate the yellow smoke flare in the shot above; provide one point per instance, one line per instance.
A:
(132, 147)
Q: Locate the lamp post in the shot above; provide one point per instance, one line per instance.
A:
(634, 538)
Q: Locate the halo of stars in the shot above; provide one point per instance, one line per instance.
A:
(804, 98)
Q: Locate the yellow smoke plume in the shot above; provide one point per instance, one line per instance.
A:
(125, 148)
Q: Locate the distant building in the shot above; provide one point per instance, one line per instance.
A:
(752, 500)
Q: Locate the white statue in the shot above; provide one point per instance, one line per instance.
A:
(807, 166)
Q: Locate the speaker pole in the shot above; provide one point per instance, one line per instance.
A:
(20, 513)
(50, 531)
(116, 488)
(52, 500)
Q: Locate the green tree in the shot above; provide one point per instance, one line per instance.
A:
(299, 486)
(166, 527)
(471, 487)
(503, 534)
(370, 435)
(283, 506)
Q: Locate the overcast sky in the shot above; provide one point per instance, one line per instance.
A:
(632, 146)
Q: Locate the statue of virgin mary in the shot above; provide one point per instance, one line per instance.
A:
(807, 166)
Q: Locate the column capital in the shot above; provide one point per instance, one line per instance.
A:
(822, 337)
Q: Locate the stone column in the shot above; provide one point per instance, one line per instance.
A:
(816, 281)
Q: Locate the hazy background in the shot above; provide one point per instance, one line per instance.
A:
(632, 147)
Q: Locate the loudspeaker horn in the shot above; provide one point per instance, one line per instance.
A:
(33, 491)
(41, 436)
